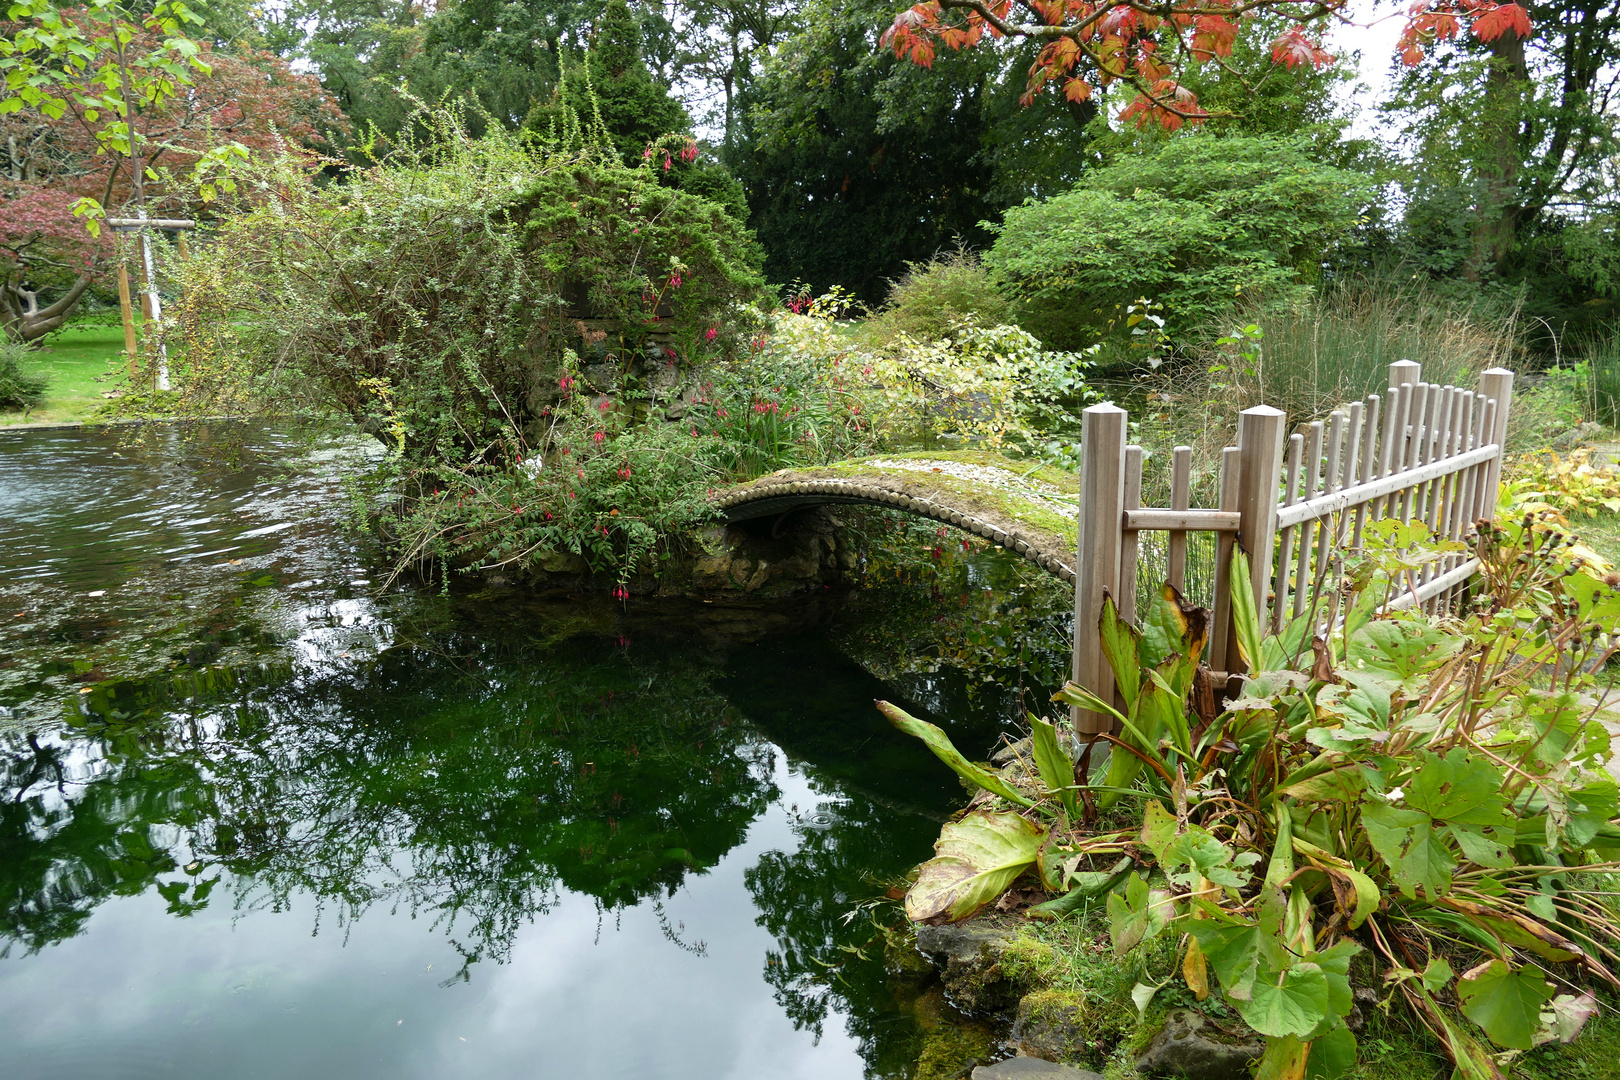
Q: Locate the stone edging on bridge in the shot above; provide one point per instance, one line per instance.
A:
(783, 492)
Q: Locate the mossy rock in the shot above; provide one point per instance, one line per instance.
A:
(969, 956)
(1053, 1024)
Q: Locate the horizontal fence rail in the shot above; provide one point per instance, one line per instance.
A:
(1296, 502)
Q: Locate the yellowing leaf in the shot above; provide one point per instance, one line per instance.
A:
(975, 860)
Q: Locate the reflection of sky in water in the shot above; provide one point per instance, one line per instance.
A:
(582, 994)
(400, 789)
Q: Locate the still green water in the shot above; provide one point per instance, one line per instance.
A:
(260, 817)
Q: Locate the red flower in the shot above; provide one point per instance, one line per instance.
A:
(599, 436)
(711, 333)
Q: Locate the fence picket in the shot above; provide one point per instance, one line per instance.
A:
(1128, 541)
(1180, 499)
(1231, 496)
(1309, 530)
(1285, 551)
(1420, 452)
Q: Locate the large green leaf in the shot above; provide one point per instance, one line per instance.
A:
(940, 743)
(1289, 1002)
(1332, 1055)
(1172, 627)
(1590, 807)
(974, 861)
(1410, 846)
(1137, 914)
(1504, 1002)
(1490, 847)
(1057, 771)
(1233, 952)
(1404, 647)
(1457, 788)
(1122, 645)
(1245, 617)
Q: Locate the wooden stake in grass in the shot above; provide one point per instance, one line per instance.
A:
(129, 317)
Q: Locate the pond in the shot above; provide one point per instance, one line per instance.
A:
(261, 815)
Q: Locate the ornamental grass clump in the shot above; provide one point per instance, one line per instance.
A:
(1421, 795)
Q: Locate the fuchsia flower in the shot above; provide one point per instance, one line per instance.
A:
(675, 280)
(604, 405)
(711, 333)
(599, 436)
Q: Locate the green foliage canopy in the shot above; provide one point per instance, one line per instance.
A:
(1195, 223)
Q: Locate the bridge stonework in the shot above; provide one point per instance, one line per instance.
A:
(971, 491)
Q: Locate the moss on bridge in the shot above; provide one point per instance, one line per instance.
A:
(1028, 502)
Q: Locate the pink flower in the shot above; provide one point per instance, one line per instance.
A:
(604, 405)
(675, 280)
(599, 436)
(711, 333)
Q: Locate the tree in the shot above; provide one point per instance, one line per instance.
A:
(89, 60)
(613, 85)
(1088, 45)
(1512, 132)
(722, 40)
(856, 163)
(103, 110)
(1193, 222)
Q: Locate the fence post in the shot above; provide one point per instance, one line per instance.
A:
(1261, 437)
(1405, 371)
(1096, 566)
(1496, 383)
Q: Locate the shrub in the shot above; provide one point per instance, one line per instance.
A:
(1568, 484)
(991, 386)
(1192, 223)
(1425, 791)
(434, 297)
(936, 298)
(484, 309)
(20, 388)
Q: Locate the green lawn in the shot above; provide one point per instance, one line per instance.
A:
(74, 358)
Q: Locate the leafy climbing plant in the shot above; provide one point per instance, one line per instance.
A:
(1424, 790)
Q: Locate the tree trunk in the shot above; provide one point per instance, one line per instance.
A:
(24, 320)
(1503, 112)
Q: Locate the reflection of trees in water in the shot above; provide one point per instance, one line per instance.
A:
(471, 789)
(981, 631)
(818, 901)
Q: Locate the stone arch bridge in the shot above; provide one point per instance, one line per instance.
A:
(1027, 509)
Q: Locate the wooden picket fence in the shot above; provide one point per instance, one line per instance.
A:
(1420, 452)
